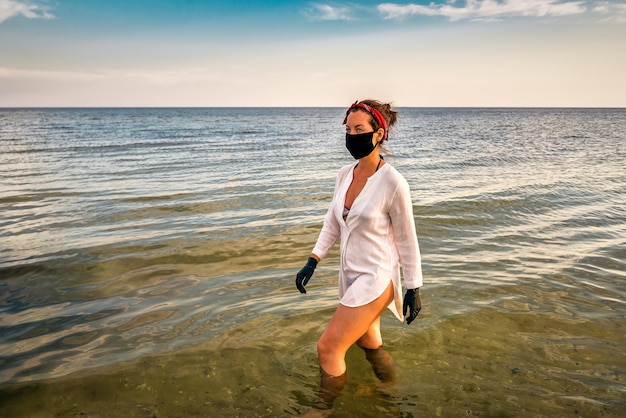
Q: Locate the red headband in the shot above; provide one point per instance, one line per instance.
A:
(382, 123)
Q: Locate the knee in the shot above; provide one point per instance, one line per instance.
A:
(325, 348)
(369, 342)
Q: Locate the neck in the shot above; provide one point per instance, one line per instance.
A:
(371, 162)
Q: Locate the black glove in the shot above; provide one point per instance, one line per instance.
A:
(303, 276)
(412, 303)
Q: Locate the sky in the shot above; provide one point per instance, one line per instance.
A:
(192, 53)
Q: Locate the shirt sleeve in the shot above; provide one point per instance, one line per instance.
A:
(328, 235)
(331, 230)
(403, 224)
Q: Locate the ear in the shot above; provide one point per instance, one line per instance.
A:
(380, 134)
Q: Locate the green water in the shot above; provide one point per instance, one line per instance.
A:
(148, 256)
(489, 363)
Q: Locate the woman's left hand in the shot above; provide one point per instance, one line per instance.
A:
(412, 304)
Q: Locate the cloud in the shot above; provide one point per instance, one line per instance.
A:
(611, 12)
(327, 12)
(484, 9)
(12, 8)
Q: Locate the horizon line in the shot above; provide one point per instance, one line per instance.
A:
(305, 107)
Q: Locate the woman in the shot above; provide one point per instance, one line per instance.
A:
(372, 212)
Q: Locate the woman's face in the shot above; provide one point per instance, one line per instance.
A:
(358, 122)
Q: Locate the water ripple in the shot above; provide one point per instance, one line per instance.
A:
(136, 232)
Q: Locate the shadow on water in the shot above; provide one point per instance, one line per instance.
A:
(487, 363)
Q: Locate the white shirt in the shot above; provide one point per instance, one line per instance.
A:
(378, 233)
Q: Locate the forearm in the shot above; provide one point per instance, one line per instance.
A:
(403, 224)
(326, 240)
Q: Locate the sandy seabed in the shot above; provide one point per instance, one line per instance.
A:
(488, 363)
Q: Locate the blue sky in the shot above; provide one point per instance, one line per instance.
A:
(302, 53)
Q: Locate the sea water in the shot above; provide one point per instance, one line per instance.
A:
(148, 256)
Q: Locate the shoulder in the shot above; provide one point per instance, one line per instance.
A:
(393, 176)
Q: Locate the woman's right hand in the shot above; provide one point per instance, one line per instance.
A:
(305, 274)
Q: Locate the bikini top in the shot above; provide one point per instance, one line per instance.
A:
(346, 210)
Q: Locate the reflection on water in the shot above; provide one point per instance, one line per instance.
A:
(148, 257)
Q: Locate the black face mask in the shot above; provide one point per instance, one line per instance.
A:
(360, 145)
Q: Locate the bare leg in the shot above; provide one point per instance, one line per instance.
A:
(372, 337)
(382, 364)
(330, 388)
(347, 326)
